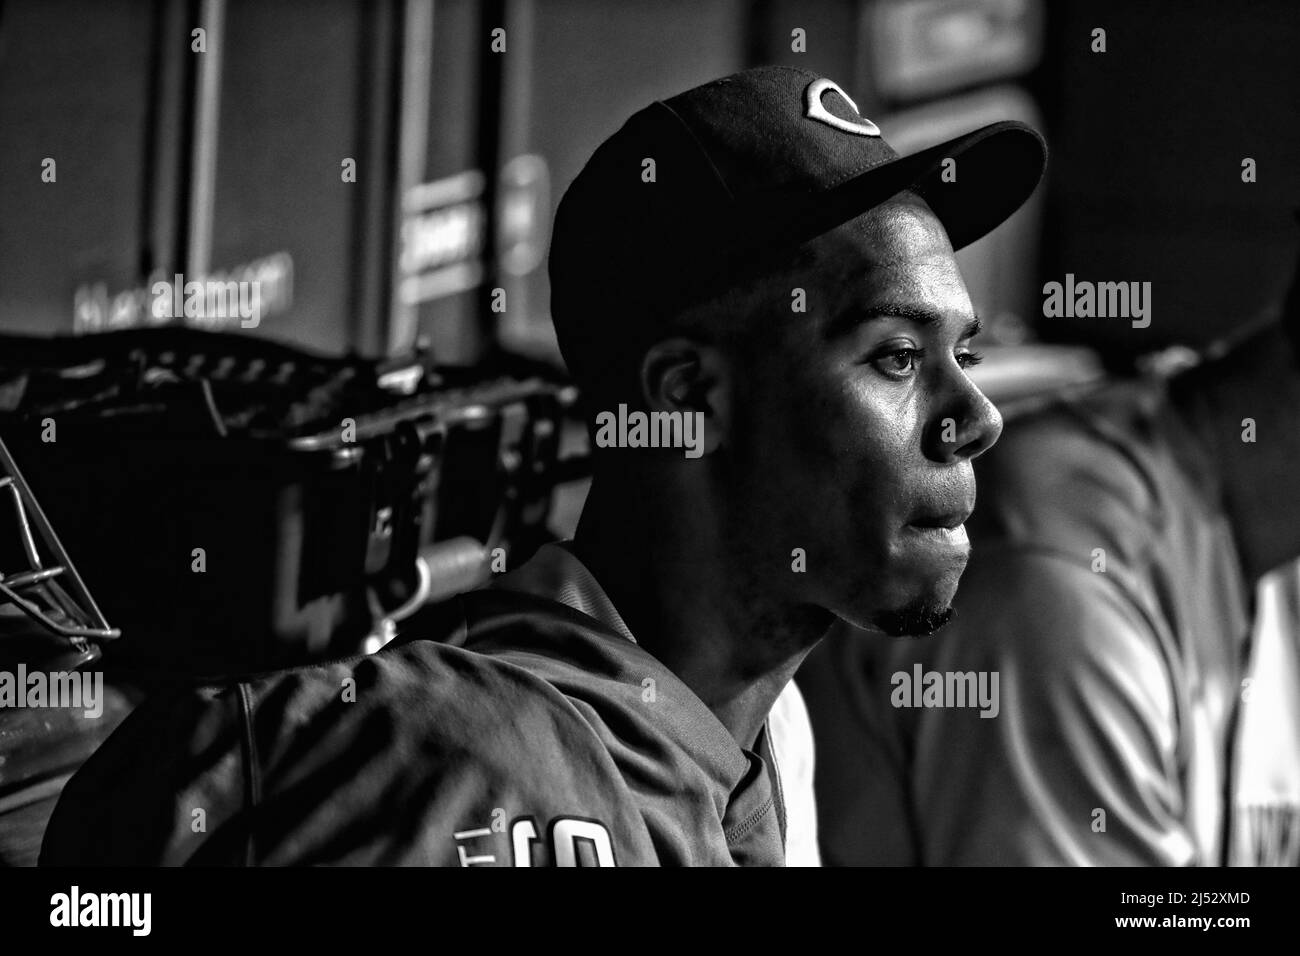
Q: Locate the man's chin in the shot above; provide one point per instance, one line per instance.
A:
(917, 603)
(919, 619)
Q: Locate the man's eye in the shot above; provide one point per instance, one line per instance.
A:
(898, 362)
(969, 359)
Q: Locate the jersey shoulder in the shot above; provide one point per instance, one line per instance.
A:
(426, 754)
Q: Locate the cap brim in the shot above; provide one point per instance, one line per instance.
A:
(997, 168)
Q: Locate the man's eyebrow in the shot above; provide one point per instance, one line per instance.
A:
(849, 320)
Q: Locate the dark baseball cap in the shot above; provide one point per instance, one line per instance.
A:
(696, 189)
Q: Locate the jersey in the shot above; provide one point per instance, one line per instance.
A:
(519, 724)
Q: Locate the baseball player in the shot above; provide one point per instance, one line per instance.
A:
(759, 300)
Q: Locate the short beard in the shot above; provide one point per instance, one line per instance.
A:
(918, 619)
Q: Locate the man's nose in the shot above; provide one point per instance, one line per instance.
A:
(966, 425)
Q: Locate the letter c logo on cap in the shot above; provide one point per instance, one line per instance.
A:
(815, 110)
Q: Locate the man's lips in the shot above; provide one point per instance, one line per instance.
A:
(942, 533)
(949, 519)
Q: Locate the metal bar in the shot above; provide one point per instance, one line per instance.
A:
(203, 159)
(75, 632)
(27, 579)
(27, 503)
(413, 150)
(378, 92)
(24, 528)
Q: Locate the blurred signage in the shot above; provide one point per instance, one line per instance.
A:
(442, 237)
(524, 206)
(926, 47)
(443, 230)
(216, 300)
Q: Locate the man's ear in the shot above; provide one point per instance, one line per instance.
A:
(688, 376)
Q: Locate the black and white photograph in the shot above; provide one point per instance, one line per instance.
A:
(845, 434)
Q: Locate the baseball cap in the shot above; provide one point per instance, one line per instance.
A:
(742, 170)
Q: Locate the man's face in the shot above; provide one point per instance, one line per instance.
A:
(856, 426)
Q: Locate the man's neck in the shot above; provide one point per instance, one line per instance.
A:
(688, 606)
